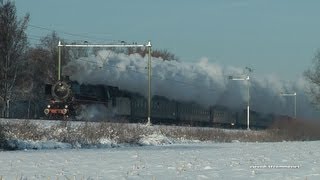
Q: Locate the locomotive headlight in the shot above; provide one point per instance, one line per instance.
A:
(66, 106)
(64, 111)
(48, 106)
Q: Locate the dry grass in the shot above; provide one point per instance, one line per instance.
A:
(217, 135)
(83, 134)
(282, 130)
(88, 134)
(296, 130)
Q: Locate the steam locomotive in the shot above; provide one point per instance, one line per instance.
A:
(66, 97)
(69, 98)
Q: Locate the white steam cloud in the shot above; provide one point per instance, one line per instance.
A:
(202, 82)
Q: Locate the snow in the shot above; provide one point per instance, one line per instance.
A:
(162, 158)
(27, 144)
(155, 139)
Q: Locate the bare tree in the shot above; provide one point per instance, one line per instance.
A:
(13, 45)
(42, 62)
(313, 77)
(47, 55)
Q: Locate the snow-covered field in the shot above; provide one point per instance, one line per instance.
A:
(237, 160)
(153, 155)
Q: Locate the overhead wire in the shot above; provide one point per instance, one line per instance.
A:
(67, 33)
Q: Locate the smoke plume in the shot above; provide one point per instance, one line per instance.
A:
(202, 82)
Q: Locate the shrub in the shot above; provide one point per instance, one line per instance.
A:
(296, 130)
(3, 140)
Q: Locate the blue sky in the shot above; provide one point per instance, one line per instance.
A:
(276, 37)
